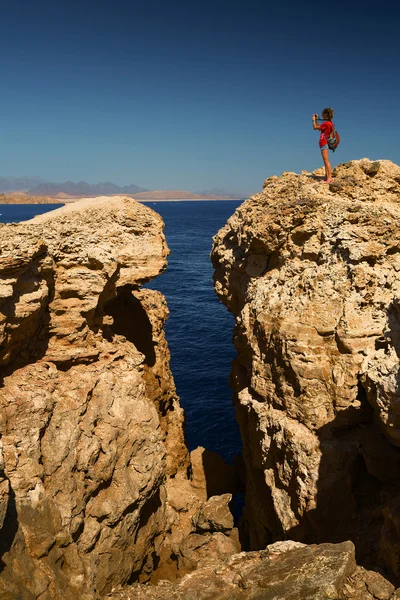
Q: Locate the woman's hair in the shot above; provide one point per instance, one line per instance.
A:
(328, 113)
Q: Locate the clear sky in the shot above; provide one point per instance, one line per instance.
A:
(193, 95)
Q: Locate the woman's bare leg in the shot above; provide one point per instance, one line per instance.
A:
(327, 164)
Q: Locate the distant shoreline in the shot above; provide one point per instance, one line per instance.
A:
(191, 200)
(61, 201)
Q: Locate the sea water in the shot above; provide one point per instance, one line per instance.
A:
(199, 329)
(14, 213)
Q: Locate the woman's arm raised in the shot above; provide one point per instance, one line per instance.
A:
(315, 122)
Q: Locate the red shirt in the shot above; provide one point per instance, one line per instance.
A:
(326, 130)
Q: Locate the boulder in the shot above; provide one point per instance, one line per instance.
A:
(214, 515)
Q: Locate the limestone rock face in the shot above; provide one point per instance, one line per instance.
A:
(311, 273)
(91, 428)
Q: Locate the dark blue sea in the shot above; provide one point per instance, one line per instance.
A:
(199, 329)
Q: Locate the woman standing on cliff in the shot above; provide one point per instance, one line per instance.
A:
(326, 128)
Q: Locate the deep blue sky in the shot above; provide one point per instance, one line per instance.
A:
(193, 95)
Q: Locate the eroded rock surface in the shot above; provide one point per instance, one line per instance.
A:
(92, 450)
(283, 571)
(311, 273)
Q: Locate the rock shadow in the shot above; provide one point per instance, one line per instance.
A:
(220, 478)
(10, 527)
(151, 560)
(357, 471)
(316, 177)
(29, 342)
(130, 319)
(393, 331)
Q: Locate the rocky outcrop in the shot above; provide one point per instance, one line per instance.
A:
(311, 273)
(283, 571)
(94, 487)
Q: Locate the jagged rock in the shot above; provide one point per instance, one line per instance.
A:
(368, 585)
(87, 400)
(201, 531)
(214, 515)
(211, 535)
(295, 573)
(196, 550)
(311, 273)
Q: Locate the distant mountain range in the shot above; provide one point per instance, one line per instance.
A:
(8, 184)
(38, 187)
(82, 189)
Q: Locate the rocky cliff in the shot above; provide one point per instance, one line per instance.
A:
(311, 273)
(98, 492)
(94, 471)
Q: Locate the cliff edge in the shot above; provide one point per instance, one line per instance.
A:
(311, 273)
